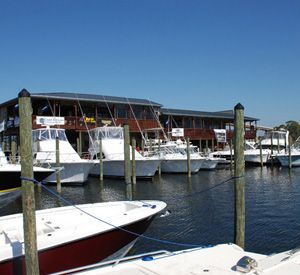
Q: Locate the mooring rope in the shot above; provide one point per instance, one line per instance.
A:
(123, 229)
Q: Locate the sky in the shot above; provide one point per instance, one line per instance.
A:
(189, 54)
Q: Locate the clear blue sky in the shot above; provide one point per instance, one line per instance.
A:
(199, 55)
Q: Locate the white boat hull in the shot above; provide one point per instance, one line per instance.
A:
(209, 164)
(115, 168)
(76, 172)
(180, 165)
(220, 259)
(284, 160)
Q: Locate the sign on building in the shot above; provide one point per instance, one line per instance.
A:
(177, 132)
(50, 120)
(220, 135)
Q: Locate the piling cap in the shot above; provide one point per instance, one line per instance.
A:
(239, 106)
(24, 93)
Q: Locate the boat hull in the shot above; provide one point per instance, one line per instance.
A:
(115, 168)
(180, 165)
(78, 253)
(284, 160)
(71, 172)
(10, 175)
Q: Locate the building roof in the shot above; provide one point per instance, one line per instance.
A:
(96, 98)
(92, 98)
(228, 114)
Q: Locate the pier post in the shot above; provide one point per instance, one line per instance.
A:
(126, 154)
(239, 173)
(57, 172)
(78, 146)
(100, 160)
(133, 166)
(159, 166)
(200, 145)
(231, 159)
(272, 151)
(188, 153)
(14, 152)
(278, 145)
(260, 154)
(28, 201)
(290, 152)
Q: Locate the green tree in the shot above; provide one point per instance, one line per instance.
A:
(293, 127)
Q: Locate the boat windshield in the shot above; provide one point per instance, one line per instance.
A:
(48, 134)
(106, 133)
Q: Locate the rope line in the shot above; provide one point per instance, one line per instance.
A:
(123, 229)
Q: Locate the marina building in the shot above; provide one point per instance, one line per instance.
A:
(82, 112)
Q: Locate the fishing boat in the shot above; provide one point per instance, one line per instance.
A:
(69, 237)
(10, 178)
(223, 259)
(73, 169)
(284, 158)
(113, 154)
(253, 155)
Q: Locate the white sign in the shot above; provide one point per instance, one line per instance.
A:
(220, 135)
(50, 120)
(2, 126)
(177, 132)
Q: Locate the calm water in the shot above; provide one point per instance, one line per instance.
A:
(202, 209)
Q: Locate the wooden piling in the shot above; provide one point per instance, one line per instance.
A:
(231, 158)
(188, 153)
(57, 172)
(100, 160)
(126, 154)
(159, 166)
(200, 145)
(78, 146)
(14, 152)
(239, 173)
(272, 151)
(133, 166)
(290, 152)
(260, 154)
(28, 200)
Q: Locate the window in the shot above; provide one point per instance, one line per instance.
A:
(122, 112)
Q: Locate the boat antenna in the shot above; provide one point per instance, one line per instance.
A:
(110, 113)
(90, 138)
(157, 119)
(136, 121)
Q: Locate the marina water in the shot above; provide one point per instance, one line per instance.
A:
(201, 209)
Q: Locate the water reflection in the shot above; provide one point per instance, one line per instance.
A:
(201, 210)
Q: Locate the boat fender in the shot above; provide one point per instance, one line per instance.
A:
(149, 205)
(147, 258)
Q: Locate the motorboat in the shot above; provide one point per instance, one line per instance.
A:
(73, 169)
(112, 139)
(223, 259)
(276, 140)
(10, 178)
(69, 237)
(252, 154)
(283, 157)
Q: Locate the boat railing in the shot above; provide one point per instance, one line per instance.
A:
(145, 256)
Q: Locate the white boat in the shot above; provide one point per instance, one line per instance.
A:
(295, 155)
(277, 139)
(10, 178)
(68, 237)
(174, 156)
(113, 154)
(73, 169)
(223, 259)
(251, 154)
